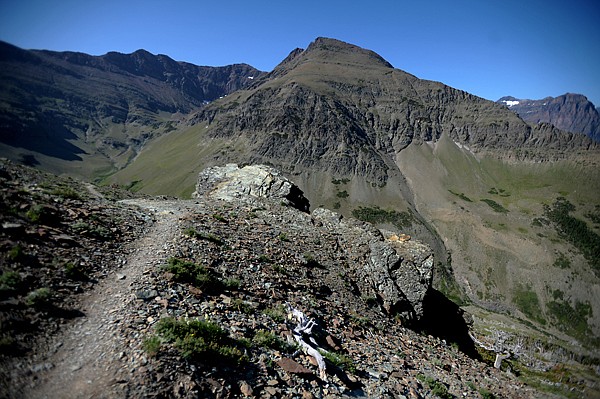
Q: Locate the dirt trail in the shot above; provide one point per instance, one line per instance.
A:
(93, 358)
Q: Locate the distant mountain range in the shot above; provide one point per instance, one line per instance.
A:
(570, 112)
(466, 175)
(73, 107)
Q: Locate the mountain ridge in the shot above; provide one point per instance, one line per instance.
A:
(570, 112)
(68, 106)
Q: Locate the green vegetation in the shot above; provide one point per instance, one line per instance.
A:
(528, 302)
(40, 297)
(462, 196)
(16, 253)
(242, 306)
(437, 388)
(65, 192)
(283, 237)
(191, 232)
(377, 215)
(575, 231)
(485, 394)
(9, 281)
(311, 262)
(264, 259)
(199, 340)
(342, 194)
(495, 206)
(34, 213)
(340, 181)
(562, 262)
(277, 313)
(219, 217)
(232, 283)
(151, 345)
(573, 321)
(194, 274)
(268, 339)
(595, 215)
(90, 230)
(340, 360)
(75, 271)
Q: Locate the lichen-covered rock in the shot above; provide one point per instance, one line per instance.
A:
(259, 181)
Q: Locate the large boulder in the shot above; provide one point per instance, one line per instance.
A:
(259, 181)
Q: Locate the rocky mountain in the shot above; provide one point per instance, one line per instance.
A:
(57, 108)
(510, 211)
(465, 175)
(181, 302)
(569, 112)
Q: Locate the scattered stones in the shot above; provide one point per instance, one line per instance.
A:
(262, 254)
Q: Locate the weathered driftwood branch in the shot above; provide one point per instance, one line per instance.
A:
(302, 330)
(500, 356)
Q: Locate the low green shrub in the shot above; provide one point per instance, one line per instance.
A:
(151, 345)
(39, 297)
(191, 232)
(267, 339)
(277, 313)
(75, 271)
(340, 360)
(200, 340)
(528, 302)
(194, 274)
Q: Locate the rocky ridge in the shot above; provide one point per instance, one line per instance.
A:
(259, 255)
(295, 114)
(57, 107)
(569, 112)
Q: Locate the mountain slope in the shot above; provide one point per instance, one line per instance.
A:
(569, 112)
(355, 133)
(57, 108)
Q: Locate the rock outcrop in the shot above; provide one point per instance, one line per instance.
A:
(396, 273)
(252, 181)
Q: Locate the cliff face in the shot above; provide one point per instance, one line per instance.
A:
(338, 107)
(65, 106)
(570, 112)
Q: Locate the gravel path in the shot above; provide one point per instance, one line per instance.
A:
(93, 358)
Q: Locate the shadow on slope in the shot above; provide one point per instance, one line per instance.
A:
(444, 319)
(45, 135)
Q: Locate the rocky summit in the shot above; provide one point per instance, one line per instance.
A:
(201, 303)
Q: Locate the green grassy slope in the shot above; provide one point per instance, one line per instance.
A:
(505, 253)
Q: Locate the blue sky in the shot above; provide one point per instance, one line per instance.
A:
(528, 48)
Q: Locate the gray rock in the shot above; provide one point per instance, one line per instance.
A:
(398, 271)
(232, 182)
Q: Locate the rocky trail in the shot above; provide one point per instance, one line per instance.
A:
(93, 358)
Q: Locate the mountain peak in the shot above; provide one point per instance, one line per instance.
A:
(327, 47)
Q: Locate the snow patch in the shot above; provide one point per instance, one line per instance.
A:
(510, 103)
(251, 77)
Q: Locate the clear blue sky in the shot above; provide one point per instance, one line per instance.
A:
(491, 48)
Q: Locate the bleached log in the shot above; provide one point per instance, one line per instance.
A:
(499, 358)
(303, 328)
(496, 349)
